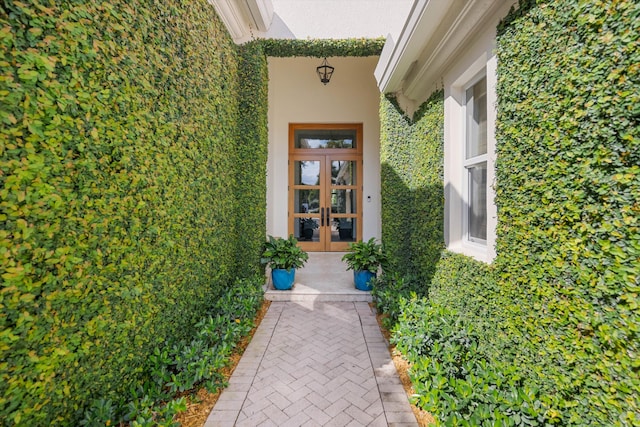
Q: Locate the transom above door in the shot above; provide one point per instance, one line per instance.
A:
(325, 185)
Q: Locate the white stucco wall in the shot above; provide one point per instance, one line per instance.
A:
(297, 96)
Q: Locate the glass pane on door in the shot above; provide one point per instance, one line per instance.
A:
(343, 201)
(325, 138)
(343, 230)
(306, 201)
(306, 172)
(307, 229)
(343, 172)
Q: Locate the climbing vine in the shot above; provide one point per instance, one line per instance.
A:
(547, 334)
(122, 177)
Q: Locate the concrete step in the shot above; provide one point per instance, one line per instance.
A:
(299, 293)
(324, 278)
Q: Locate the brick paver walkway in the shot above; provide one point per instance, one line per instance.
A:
(315, 364)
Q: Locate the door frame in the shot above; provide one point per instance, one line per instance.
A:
(326, 154)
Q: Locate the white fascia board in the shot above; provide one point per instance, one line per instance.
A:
(435, 32)
(438, 54)
(385, 59)
(261, 12)
(394, 64)
(241, 16)
(231, 16)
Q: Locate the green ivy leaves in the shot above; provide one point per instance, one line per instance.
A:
(322, 47)
(559, 308)
(567, 186)
(411, 155)
(123, 174)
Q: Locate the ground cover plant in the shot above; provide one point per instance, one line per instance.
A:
(548, 334)
(179, 367)
(451, 339)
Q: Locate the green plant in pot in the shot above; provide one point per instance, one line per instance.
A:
(283, 256)
(364, 258)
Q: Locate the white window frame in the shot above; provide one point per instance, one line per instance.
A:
(471, 161)
(462, 75)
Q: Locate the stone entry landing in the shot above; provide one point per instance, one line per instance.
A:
(323, 278)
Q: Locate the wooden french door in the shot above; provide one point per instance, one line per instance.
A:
(325, 185)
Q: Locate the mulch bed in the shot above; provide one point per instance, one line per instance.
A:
(402, 366)
(201, 403)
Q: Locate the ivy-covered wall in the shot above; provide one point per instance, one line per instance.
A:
(251, 157)
(411, 153)
(549, 332)
(132, 161)
(568, 195)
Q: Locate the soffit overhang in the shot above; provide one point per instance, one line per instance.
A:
(241, 17)
(435, 32)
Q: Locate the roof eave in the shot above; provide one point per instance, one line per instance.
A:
(242, 16)
(434, 33)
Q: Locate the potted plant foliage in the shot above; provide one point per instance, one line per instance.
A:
(364, 258)
(283, 256)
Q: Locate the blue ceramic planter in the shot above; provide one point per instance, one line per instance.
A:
(283, 279)
(362, 278)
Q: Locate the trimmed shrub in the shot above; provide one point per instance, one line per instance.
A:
(319, 48)
(411, 156)
(549, 333)
(251, 158)
(127, 198)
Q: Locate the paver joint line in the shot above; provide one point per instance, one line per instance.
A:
(213, 419)
(316, 363)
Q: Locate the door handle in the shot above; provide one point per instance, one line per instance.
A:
(322, 217)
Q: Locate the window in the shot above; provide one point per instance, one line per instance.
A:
(325, 138)
(475, 163)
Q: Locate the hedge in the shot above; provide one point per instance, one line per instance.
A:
(251, 158)
(568, 196)
(284, 48)
(123, 177)
(411, 157)
(548, 334)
